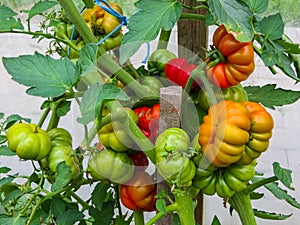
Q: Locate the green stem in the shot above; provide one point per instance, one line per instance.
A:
(48, 36)
(43, 117)
(259, 183)
(164, 39)
(83, 203)
(241, 202)
(89, 3)
(130, 67)
(134, 131)
(192, 16)
(54, 120)
(199, 74)
(138, 217)
(185, 208)
(159, 215)
(78, 21)
(49, 196)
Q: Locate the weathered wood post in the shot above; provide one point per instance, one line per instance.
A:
(170, 106)
(192, 36)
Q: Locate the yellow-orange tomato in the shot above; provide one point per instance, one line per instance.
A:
(110, 22)
(224, 132)
(260, 132)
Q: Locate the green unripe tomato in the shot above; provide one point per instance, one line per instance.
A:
(235, 93)
(65, 154)
(158, 60)
(28, 141)
(173, 157)
(171, 140)
(112, 42)
(110, 165)
(114, 136)
(152, 84)
(60, 136)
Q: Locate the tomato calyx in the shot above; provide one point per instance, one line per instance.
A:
(214, 56)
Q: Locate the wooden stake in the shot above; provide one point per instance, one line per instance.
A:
(170, 105)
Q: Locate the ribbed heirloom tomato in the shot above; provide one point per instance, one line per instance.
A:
(173, 155)
(139, 193)
(110, 165)
(224, 132)
(260, 132)
(236, 62)
(29, 141)
(225, 181)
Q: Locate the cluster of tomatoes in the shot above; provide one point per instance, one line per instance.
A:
(100, 22)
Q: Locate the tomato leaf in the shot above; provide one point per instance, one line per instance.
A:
(216, 221)
(5, 151)
(45, 76)
(63, 108)
(13, 118)
(99, 193)
(7, 20)
(87, 58)
(120, 219)
(235, 15)
(69, 217)
(256, 195)
(272, 27)
(57, 206)
(161, 205)
(270, 96)
(62, 177)
(282, 194)
(105, 215)
(284, 175)
(270, 216)
(3, 139)
(15, 220)
(145, 25)
(39, 8)
(4, 169)
(288, 45)
(95, 97)
(257, 6)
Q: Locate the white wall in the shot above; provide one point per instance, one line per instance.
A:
(284, 146)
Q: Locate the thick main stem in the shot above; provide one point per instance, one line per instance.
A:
(241, 203)
(185, 208)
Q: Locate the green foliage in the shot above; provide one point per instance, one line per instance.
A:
(234, 15)
(39, 8)
(289, 10)
(7, 20)
(270, 216)
(29, 70)
(94, 98)
(62, 177)
(216, 221)
(270, 96)
(145, 25)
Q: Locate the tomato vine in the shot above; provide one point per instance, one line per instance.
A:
(120, 113)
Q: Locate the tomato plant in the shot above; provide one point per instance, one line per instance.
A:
(128, 142)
